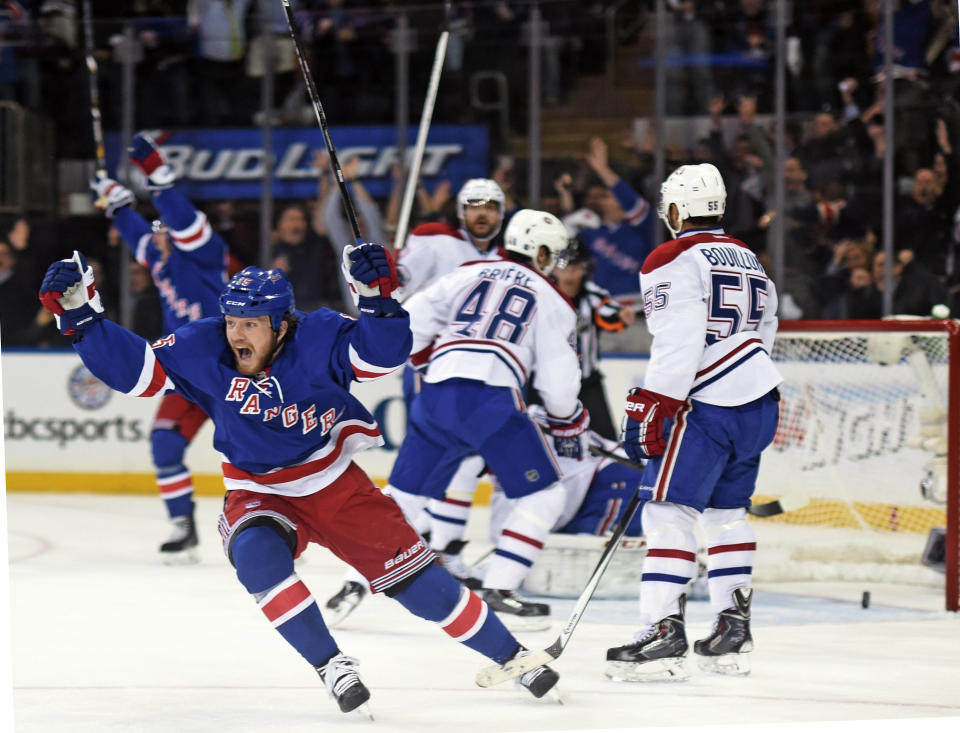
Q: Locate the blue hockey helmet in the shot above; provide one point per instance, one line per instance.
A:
(257, 292)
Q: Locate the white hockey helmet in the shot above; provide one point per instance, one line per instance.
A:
(482, 190)
(529, 230)
(696, 190)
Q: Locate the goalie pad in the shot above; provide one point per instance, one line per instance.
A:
(567, 561)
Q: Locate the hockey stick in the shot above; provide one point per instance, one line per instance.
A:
(92, 68)
(786, 503)
(322, 120)
(425, 116)
(498, 673)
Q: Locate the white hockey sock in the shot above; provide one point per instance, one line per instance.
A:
(448, 518)
(671, 559)
(413, 507)
(731, 545)
(522, 537)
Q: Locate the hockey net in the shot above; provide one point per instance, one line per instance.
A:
(867, 446)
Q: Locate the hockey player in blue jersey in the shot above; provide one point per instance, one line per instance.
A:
(188, 263)
(276, 383)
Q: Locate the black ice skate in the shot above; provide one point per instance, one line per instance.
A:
(452, 560)
(539, 681)
(725, 650)
(517, 613)
(181, 546)
(657, 655)
(343, 684)
(344, 602)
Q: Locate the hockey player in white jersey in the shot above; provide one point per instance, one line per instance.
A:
(436, 248)
(707, 409)
(431, 250)
(483, 329)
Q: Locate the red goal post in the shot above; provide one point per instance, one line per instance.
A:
(867, 406)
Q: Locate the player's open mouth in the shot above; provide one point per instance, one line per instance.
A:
(243, 353)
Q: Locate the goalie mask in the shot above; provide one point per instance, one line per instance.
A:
(481, 191)
(696, 190)
(256, 292)
(529, 230)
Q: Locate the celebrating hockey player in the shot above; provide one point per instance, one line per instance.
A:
(482, 330)
(276, 383)
(707, 409)
(432, 250)
(188, 263)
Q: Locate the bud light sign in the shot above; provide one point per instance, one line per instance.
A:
(229, 164)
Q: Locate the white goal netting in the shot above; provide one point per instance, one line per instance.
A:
(862, 447)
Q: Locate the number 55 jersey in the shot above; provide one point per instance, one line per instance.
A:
(712, 312)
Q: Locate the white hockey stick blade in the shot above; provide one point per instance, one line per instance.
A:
(497, 673)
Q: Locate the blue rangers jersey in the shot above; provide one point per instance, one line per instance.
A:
(191, 277)
(292, 429)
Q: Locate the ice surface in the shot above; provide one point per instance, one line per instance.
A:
(105, 638)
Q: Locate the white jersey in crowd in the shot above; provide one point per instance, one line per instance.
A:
(497, 322)
(712, 312)
(432, 250)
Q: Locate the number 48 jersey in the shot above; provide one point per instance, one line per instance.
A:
(496, 322)
(712, 312)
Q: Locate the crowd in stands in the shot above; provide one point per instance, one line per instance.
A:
(200, 62)
(606, 193)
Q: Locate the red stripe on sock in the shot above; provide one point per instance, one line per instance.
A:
(285, 600)
(676, 554)
(176, 485)
(522, 538)
(467, 618)
(742, 547)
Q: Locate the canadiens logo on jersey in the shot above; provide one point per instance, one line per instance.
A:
(264, 397)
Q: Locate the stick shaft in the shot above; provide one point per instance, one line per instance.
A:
(786, 503)
(516, 667)
(426, 116)
(322, 121)
(92, 70)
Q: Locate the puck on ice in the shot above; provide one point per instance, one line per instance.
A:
(865, 599)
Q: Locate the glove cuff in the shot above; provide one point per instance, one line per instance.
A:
(379, 307)
(569, 427)
(161, 179)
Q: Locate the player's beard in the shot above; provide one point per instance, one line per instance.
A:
(485, 232)
(250, 362)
